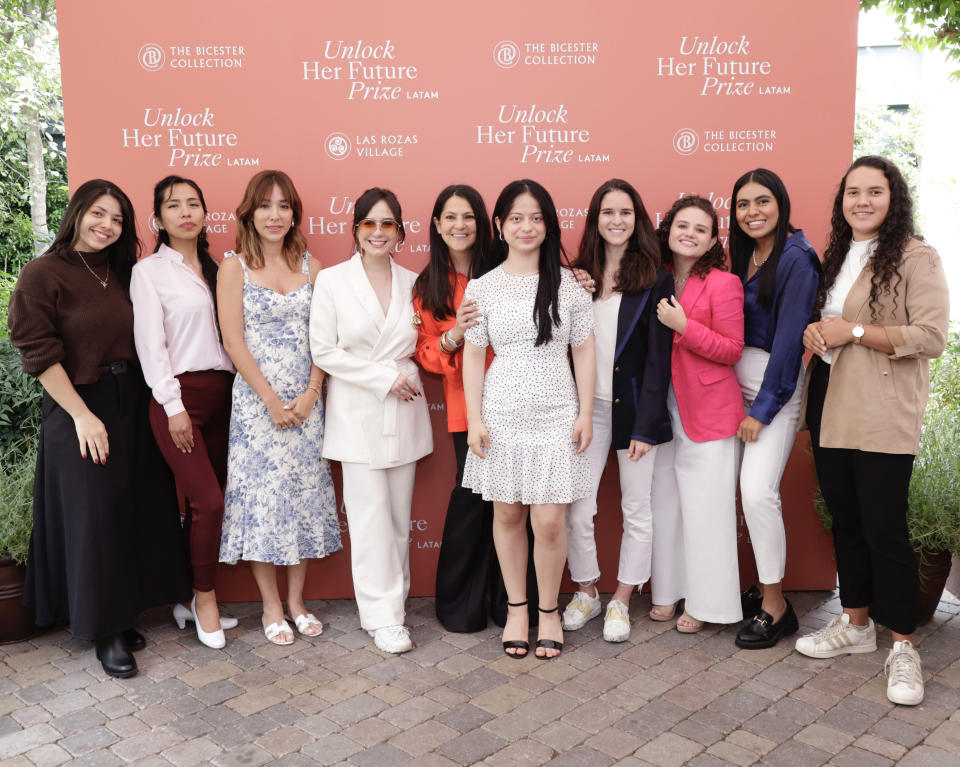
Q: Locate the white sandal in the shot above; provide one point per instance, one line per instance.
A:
(274, 630)
(306, 621)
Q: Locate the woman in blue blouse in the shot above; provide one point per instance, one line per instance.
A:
(780, 273)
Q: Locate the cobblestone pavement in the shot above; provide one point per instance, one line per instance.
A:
(662, 698)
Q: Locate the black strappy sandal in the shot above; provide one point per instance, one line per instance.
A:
(549, 644)
(516, 644)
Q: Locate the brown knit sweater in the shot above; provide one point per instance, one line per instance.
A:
(60, 313)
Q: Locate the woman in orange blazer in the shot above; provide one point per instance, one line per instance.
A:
(694, 492)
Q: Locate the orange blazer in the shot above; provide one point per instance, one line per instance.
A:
(708, 395)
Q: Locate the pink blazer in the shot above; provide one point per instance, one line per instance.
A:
(708, 395)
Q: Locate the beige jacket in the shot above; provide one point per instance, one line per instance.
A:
(875, 402)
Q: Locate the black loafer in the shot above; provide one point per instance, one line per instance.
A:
(762, 632)
(115, 657)
(750, 602)
(134, 639)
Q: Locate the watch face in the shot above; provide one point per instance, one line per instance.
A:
(857, 331)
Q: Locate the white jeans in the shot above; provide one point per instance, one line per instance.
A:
(761, 467)
(378, 515)
(695, 525)
(636, 478)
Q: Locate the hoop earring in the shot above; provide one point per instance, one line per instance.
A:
(500, 232)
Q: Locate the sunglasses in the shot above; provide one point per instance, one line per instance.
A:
(370, 225)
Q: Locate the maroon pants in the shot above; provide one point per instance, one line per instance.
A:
(202, 473)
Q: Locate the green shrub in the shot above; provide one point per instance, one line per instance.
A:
(16, 503)
(20, 400)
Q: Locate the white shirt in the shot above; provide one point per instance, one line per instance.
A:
(605, 315)
(854, 262)
(174, 325)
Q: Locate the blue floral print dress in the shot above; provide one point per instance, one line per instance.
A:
(279, 506)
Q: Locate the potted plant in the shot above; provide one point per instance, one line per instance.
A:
(933, 515)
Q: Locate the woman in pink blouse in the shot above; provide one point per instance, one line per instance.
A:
(178, 342)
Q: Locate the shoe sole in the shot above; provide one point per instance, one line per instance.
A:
(616, 639)
(854, 650)
(765, 644)
(905, 701)
(576, 625)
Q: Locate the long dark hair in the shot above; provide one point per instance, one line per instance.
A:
(742, 244)
(122, 254)
(713, 258)
(895, 231)
(208, 266)
(546, 307)
(259, 188)
(638, 268)
(433, 286)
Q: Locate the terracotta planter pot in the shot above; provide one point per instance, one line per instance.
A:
(934, 570)
(16, 621)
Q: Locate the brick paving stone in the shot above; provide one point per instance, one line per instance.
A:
(581, 756)
(796, 711)
(9, 725)
(793, 753)
(68, 703)
(501, 699)
(156, 715)
(852, 717)
(284, 740)
(411, 712)
(560, 736)
(447, 696)
(594, 718)
(739, 705)
(115, 707)
(946, 736)
(257, 700)
(464, 717)
(31, 715)
(192, 727)
(217, 692)
(669, 750)
(382, 755)
(31, 737)
(547, 707)
(219, 715)
(127, 726)
(707, 760)
(478, 681)
(424, 737)
(388, 669)
(211, 672)
(927, 756)
(702, 733)
(99, 758)
(880, 746)
(243, 730)
(514, 726)
(614, 742)
(370, 731)
(925, 717)
(522, 753)
(751, 741)
(249, 755)
(343, 688)
(281, 713)
(192, 752)
(33, 658)
(49, 755)
(472, 747)
(825, 738)
(146, 744)
(732, 753)
(857, 757)
(898, 731)
(691, 698)
(775, 728)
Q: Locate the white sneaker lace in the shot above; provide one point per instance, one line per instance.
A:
(617, 612)
(397, 633)
(580, 602)
(834, 628)
(902, 667)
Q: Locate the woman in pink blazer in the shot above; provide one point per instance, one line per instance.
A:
(694, 490)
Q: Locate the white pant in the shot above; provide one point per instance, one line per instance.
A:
(378, 516)
(761, 468)
(636, 478)
(695, 525)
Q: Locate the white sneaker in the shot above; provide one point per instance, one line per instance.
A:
(904, 676)
(616, 623)
(581, 609)
(838, 637)
(395, 639)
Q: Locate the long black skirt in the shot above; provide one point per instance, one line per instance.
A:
(106, 540)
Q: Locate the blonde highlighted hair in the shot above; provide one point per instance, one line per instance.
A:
(259, 189)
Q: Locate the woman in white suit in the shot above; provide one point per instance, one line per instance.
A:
(377, 423)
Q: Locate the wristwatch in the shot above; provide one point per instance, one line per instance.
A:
(857, 333)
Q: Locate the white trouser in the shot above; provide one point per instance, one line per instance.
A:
(636, 478)
(378, 516)
(695, 525)
(761, 467)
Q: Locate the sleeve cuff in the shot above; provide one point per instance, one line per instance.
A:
(173, 407)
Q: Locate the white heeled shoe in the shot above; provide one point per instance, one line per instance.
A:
(215, 639)
(182, 614)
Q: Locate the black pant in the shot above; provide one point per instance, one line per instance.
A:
(866, 494)
(468, 563)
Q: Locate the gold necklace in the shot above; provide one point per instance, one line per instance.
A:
(103, 283)
(754, 257)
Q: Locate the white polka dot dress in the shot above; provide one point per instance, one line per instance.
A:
(529, 394)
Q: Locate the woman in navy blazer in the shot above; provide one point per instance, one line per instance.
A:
(620, 252)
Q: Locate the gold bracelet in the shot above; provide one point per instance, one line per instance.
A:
(313, 386)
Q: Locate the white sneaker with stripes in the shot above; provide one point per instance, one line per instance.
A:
(838, 637)
(904, 676)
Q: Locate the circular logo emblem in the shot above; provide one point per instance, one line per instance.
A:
(151, 57)
(686, 141)
(337, 146)
(506, 54)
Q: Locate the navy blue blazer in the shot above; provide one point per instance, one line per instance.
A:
(641, 368)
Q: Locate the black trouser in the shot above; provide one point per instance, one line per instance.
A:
(468, 563)
(866, 494)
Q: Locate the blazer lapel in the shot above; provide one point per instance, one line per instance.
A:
(364, 293)
(631, 307)
(398, 302)
(858, 299)
(691, 293)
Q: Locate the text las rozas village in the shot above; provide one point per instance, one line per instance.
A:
(723, 67)
(370, 69)
(543, 134)
(193, 139)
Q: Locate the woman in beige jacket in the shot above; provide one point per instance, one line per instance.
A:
(883, 314)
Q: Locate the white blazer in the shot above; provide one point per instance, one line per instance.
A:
(363, 352)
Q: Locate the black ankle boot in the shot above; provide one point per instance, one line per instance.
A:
(134, 639)
(115, 657)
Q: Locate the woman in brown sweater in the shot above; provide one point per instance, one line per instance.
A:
(106, 541)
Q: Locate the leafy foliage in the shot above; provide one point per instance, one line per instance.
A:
(16, 504)
(926, 24)
(898, 136)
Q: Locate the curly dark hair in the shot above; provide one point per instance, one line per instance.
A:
(638, 268)
(713, 258)
(895, 231)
